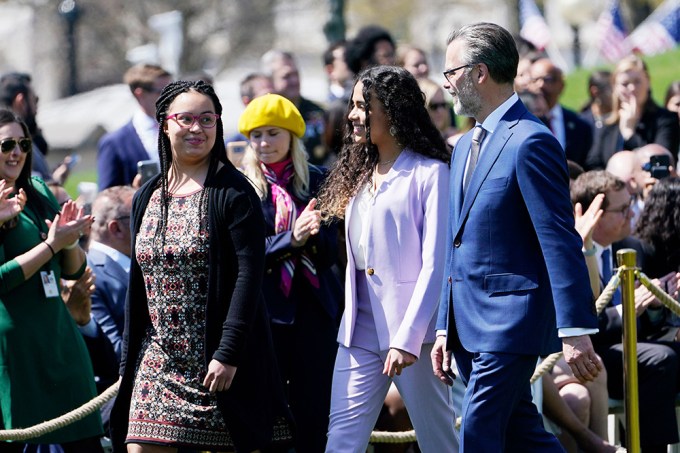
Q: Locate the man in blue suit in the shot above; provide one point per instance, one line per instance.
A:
(514, 271)
(121, 150)
(109, 258)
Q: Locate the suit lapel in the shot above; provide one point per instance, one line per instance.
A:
(492, 149)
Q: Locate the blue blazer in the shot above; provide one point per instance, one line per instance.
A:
(119, 152)
(514, 271)
(108, 299)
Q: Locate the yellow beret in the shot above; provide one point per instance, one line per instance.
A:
(271, 110)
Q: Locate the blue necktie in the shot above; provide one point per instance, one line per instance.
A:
(607, 274)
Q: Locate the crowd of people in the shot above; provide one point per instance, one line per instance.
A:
(318, 271)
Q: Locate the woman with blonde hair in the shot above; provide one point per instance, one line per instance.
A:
(301, 287)
(636, 120)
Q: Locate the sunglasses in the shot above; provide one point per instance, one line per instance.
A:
(7, 145)
(438, 105)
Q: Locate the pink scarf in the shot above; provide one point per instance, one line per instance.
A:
(278, 176)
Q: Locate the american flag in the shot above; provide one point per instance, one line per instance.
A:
(533, 27)
(612, 33)
(660, 31)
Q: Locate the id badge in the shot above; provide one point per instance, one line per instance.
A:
(49, 283)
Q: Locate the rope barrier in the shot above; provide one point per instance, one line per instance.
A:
(60, 422)
(660, 294)
(387, 437)
(607, 293)
(392, 437)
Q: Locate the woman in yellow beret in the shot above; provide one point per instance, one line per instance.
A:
(301, 284)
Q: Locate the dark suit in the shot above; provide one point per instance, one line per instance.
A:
(119, 152)
(579, 137)
(658, 363)
(514, 274)
(108, 300)
(657, 125)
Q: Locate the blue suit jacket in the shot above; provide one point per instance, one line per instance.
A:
(108, 299)
(514, 270)
(119, 152)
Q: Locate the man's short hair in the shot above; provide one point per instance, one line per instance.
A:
(492, 45)
(143, 76)
(12, 84)
(328, 57)
(110, 204)
(246, 85)
(591, 183)
(271, 56)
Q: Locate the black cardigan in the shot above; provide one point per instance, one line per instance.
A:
(237, 328)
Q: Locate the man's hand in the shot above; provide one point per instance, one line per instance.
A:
(441, 361)
(581, 358)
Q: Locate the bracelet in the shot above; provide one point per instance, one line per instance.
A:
(72, 246)
(51, 249)
(589, 252)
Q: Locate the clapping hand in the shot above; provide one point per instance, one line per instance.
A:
(68, 226)
(628, 114)
(307, 224)
(10, 207)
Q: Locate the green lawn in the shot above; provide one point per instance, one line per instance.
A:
(663, 69)
(74, 178)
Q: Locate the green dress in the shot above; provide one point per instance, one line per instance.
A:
(45, 370)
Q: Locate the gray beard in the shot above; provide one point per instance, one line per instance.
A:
(467, 102)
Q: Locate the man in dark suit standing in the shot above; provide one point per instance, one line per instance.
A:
(514, 270)
(109, 258)
(120, 150)
(573, 133)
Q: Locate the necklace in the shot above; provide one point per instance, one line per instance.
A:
(387, 162)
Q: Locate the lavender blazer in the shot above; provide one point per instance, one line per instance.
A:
(405, 254)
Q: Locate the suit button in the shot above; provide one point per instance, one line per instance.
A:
(450, 279)
(370, 271)
(456, 243)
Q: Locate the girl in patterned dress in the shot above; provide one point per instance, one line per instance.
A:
(198, 366)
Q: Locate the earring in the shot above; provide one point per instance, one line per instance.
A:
(393, 131)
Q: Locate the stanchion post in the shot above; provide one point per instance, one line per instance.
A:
(626, 261)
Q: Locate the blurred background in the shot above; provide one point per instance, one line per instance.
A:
(78, 50)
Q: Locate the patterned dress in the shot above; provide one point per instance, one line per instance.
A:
(170, 405)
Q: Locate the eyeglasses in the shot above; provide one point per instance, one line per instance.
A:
(186, 120)
(437, 105)
(7, 145)
(545, 79)
(623, 210)
(123, 217)
(451, 72)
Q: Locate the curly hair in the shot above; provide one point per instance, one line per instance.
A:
(217, 153)
(659, 221)
(404, 104)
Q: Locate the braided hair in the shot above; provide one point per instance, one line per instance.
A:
(404, 103)
(217, 153)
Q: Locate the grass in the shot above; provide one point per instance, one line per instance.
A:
(663, 70)
(76, 177)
